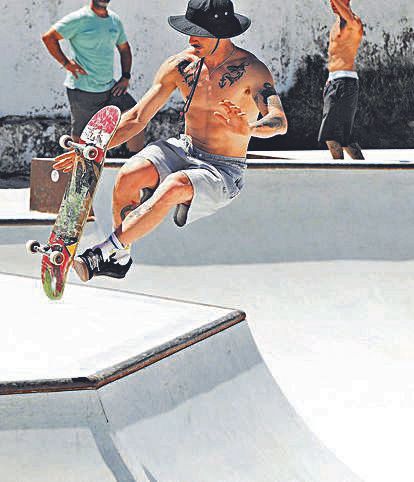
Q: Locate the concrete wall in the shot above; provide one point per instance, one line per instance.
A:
(290, 37)
(286, 216)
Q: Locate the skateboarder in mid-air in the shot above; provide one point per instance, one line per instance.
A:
(225, 88)
(340, 95)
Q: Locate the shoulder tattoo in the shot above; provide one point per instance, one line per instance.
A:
(188, 77)
(233, 74)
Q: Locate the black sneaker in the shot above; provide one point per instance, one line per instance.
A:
(91, 263)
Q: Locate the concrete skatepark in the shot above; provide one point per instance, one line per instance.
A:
(314, 385)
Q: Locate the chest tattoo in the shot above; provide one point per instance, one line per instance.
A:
(188, 77)
(233, 74)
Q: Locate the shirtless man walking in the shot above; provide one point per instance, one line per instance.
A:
(340, 95)
(225, 88)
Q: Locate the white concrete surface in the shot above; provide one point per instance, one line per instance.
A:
(90, 330)
(210, 412)
(372, 157)
(322, 262)
(15, 205)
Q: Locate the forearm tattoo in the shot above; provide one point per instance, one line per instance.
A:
(272, 122)
(141, 210)
(235, 73)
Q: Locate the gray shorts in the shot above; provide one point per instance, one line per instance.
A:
(216, 180)
(83, 105)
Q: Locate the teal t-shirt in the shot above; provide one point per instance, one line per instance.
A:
(93, 40)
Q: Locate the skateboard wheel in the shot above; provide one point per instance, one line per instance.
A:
(90, 153)
(56, 257)
(32, 246)
(64, 141)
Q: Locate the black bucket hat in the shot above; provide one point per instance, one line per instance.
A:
(210, 18)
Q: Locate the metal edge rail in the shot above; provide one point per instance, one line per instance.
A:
(126, 367)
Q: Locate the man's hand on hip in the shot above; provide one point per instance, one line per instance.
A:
(120, 87)
(75, 68)
(234, 119)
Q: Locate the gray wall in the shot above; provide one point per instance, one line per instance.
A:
(290, 37)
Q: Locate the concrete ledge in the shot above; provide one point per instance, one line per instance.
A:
(320, 159)
(15, 210)
(30, 220)
(16, 203)
(125, 368)
(80, 360)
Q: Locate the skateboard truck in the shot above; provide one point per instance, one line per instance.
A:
(56, 256)
(87, 151)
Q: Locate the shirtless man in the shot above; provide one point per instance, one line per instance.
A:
(225, 88)
(340, 95)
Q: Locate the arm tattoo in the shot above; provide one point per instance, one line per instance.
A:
(134, 211)
(235, 73)
(269, 95)
(187, 76)
(140, 210)
(273, 122)
(267, 91)
(271, 99)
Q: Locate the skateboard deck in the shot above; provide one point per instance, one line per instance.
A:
(77, 201)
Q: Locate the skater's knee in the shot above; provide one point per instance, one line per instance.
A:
(136, 175)
(175, 189)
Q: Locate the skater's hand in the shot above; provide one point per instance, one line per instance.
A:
(65, 162)
(75, 69)
(233, 118)
(120, 87)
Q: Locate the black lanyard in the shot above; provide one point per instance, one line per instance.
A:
(197, 74)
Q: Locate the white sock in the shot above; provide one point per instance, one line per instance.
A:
(111, 246)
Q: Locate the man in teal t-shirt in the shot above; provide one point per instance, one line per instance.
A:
(93, 33)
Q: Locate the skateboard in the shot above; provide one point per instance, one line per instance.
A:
(59, 251)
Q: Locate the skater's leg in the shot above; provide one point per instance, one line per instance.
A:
(132, 178)
(175, 189)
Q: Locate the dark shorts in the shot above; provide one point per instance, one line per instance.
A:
(83, 105)
(340, 99)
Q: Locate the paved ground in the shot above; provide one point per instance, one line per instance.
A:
(321, 260)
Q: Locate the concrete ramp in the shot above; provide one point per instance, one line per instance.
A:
(114, 386)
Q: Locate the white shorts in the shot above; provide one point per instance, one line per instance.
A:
(216, 180)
